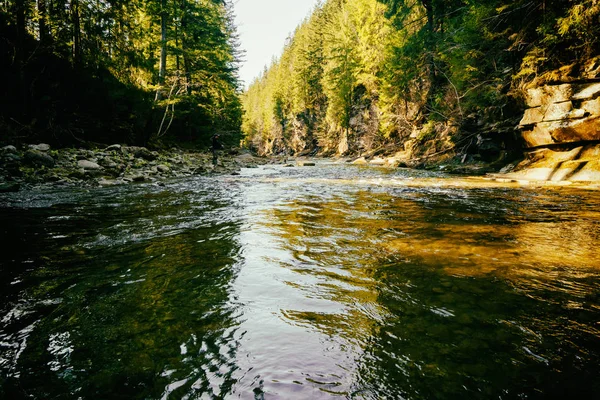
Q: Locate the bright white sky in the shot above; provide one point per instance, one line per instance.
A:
(263, 26)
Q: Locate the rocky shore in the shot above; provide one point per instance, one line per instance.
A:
(30, 166)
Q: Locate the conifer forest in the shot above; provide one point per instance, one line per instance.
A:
(354, 76)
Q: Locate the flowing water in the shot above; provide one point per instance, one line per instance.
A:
(319, 282)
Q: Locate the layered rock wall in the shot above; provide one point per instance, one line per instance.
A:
(562, 114)
(561, 125)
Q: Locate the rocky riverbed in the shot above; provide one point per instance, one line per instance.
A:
(33, 165)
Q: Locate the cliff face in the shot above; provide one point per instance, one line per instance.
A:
(561, 128)
(563, 112)
(430, 83)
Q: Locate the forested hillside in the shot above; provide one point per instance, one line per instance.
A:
(430, 77)
(134, 71)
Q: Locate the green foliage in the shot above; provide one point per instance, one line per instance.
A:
(384, 69)
(89, 70)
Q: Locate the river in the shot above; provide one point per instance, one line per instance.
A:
(322, 282)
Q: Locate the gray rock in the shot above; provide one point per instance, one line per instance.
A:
(10, 157)
(139, 178)
(93, 173)
(163, 168)
(88, 165)
(38, 158)
(114, 147)
(9, 149)
(107, 182)
(144, 153)
(77, 174)
(40, 147)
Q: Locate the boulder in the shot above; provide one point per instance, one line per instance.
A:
(245, 157)
(139, 178)
(110, 164)
(11, 157)
(77, 174)
(163, 168)
(9, 149)
(88, 165)
(36, 157)
(107, 182)
(114, 147)
(40, 147)
(144, 153)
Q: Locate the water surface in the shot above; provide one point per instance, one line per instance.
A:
(319, 282)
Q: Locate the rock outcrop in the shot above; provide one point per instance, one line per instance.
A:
(561, 127)
(564, 113)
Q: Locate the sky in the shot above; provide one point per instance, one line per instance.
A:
(263, 26)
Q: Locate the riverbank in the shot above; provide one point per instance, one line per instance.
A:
(36, 165)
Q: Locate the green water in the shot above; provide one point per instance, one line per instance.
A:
(301, 283)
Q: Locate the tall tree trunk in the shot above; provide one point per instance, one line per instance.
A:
(184, 48)
(177, 57)
(430, 48)
(20, 53)
(43, 21)
(162, 72)
(162, 69)
(75, 17)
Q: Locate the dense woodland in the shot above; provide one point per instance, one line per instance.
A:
(361, 75)
(119, 71)
(355, 76)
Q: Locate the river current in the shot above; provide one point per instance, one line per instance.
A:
(322, 282)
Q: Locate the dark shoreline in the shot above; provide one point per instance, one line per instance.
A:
(33, 166)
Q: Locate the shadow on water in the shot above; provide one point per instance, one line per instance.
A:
(124, 296)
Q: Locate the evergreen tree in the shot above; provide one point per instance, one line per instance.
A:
(152, 69)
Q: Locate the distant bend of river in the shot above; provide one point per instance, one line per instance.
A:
(322, 282)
